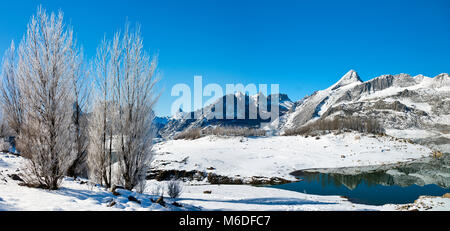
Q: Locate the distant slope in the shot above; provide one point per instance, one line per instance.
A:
(400, 102)
(278, 156)
(415, 107)
(240, 118)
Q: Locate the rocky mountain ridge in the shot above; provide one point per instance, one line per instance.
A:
(414, 107)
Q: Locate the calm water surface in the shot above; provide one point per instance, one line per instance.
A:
(396, 184)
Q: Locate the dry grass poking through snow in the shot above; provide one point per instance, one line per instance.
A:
(195, 133)
(338, 123)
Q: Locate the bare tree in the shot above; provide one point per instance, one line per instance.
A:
(158, 190)
(10, 92)
(135, 97)
(44, 70)
(102, 119)
(81, 91)
(122, 123)
(98, 159)
(174, 188)
(141, 186)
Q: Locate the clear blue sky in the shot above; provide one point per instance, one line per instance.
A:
(301, 45)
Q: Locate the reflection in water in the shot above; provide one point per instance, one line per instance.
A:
(349, 181)
(397, 184)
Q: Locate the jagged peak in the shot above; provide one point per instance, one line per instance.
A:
(350, 77)
(441, 80)
(402, 75)
(442, 75)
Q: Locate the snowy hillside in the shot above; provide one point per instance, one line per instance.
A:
(73, 195)
(278, 156)
(240, 117)
(316, 104)
(404, 105)
(399, 102)
(81, 195)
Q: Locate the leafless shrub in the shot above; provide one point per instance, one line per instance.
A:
(190, 134)
(91, 185)
(340, 124)
(195, 133)
(174, 188)
(234, 131)
(141, 186)
(158, 190)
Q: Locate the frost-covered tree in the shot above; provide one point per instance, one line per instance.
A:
(135, 96)
(126, 89)
(101, 122)
(44, 71)
(174, 188)
(99, 157)
(81, 91)
(10, 93)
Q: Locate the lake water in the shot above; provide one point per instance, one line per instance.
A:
(392, 184)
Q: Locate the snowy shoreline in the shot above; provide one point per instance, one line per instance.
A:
(279, 156)
(81, 196)
(233, 156)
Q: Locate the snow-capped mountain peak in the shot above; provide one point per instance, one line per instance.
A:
(398, 102)
(441, 80)
(350, 77)
(442, 75)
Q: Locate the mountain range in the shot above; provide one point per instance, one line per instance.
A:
(414, 107)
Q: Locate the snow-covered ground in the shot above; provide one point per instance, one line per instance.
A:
(73, 195)
(278, 156)
(425, 203)
(231, 156)
(410, 133)
(245, 197)
(79, 195)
